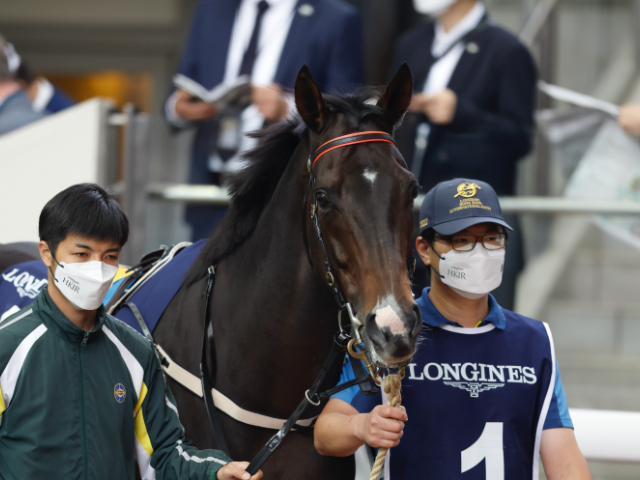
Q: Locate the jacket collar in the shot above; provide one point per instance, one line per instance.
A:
(433, 318)
(56, 322)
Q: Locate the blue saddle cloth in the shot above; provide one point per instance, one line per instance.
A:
(20, 284)
(154, 296)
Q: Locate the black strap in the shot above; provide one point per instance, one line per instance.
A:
(312, 397)
(143, 325)
(205, 377)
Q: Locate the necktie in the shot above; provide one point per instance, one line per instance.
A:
(252, 49)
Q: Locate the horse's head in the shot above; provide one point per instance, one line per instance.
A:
(360, 202)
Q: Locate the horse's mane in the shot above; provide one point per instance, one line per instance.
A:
(252, 188)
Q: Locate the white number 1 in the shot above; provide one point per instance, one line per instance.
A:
(489, 448)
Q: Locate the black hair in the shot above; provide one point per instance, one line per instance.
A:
(86, 210)
(25, 74)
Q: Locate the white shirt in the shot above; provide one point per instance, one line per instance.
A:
(43, 96)
(442, 69)
(274, 30)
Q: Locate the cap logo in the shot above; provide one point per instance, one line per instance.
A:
(423, 223)
(467, 190)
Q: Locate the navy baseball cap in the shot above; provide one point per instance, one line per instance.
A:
(456, 204)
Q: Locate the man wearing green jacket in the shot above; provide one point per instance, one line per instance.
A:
(82, 396)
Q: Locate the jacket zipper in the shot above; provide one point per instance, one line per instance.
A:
(84, 427)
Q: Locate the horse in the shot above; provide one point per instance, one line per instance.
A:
(272, 310)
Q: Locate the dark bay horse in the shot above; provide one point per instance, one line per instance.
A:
(273, 314)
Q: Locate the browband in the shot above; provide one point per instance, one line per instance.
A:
(351, 139)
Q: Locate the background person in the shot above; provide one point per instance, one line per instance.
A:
(323, 34)
(81, 394)
(15, 108)
(472, 106)
(484, 384)
(44, 96)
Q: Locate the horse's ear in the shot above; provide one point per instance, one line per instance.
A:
(309, 100)
(397, 97)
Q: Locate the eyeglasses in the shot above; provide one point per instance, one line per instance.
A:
(464, 242)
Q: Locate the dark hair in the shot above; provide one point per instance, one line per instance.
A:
(25, 74)
(86, 210)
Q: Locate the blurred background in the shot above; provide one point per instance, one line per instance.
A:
(581, 242)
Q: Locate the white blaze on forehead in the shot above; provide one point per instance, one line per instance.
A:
(387, 317)
(370, 175)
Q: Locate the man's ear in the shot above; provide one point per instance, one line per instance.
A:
(423, 249)
(45, 253)
(397, 96)
(309, 101)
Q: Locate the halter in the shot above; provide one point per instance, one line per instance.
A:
(338, 142)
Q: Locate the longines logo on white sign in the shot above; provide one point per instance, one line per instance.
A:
(473, 377)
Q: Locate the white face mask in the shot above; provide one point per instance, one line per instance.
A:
(433, 8)
(84, 284)
(472, 274)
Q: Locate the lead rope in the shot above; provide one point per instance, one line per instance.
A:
(394, 398)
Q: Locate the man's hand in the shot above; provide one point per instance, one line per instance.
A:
(439, 108)
(270, 102)
(383, 426)
(197, 111)
(236, 470)
(629, 118)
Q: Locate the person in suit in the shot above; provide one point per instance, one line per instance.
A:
(268, 41)
(44, 96)
(472, 109)
(15, 108)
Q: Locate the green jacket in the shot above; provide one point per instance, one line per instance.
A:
(77, 405)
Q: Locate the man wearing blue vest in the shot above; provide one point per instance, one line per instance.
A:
(483, 384)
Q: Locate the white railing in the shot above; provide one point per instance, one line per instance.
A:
(214, 195)
(607, 435)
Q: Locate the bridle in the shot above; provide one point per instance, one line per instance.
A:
(341, 301)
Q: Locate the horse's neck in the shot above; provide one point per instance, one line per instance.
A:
(271, 313)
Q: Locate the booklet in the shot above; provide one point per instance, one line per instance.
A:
(580, 99)
(237, 93)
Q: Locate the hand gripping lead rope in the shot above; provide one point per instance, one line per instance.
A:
(392, 389)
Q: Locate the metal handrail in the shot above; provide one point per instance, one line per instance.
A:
(214, 195)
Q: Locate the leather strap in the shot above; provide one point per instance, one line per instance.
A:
(312, 397)
(140, 319)
(205, 376)
(352, 139)
(221, 401)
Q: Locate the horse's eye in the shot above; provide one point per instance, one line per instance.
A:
(322, 199)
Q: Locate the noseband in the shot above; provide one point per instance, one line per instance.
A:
(338, 142)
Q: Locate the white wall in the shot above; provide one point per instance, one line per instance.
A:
(43, 158)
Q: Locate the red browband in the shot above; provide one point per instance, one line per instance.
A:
(352, 139)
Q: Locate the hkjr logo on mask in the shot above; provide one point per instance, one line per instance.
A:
(472, 274)
(26, 284)
(84, 284)
(473, 377)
